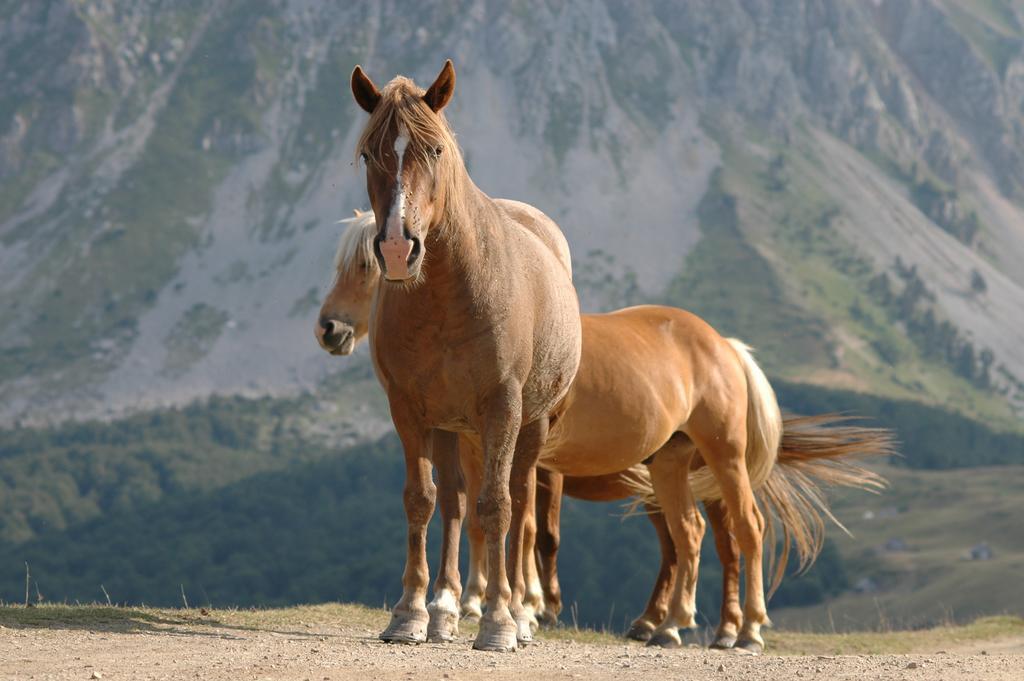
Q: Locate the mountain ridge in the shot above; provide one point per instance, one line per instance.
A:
(172, 174)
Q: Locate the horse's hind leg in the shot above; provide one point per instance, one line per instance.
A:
(657, 606)
(444, 609)
(670, 478)
(549, 509)
(724, 451)
(731, 618)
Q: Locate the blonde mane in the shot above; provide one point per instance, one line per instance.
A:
(356, 242)
(401, 106)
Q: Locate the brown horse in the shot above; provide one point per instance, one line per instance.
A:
(475, 329)
(808, 451)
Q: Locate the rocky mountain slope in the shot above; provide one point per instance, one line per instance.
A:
(840, 183)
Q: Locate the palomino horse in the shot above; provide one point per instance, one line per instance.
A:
(810, 451)
(814, 449)
(475, 329)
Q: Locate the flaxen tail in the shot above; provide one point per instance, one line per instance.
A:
(816, 451)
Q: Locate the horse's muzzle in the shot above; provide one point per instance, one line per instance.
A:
(335, 336)
(400, 256)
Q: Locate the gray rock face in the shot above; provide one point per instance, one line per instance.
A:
(165, 159)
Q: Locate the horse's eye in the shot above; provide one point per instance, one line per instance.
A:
(437, 150)
(364, 157)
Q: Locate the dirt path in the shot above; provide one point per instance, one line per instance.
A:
(154, 645)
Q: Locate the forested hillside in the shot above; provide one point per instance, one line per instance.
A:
(239, 502)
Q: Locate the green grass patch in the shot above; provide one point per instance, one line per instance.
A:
(792, 214)
(728, 282)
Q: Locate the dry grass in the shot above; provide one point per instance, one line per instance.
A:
(301, 619)
(895, 642)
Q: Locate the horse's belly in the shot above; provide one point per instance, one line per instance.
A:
(594, 439)
(622, 409)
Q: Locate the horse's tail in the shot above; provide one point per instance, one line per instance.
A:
(764, 430)
(815, 451)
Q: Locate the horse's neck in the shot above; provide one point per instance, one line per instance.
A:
(465, 248)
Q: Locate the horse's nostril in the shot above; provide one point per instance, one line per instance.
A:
(416, 248)
(336, 333)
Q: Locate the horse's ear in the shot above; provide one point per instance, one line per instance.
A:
(440, 93)
(357, 212)
(366, 93)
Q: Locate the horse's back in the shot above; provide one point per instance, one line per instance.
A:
(680, 328)
(677, 333)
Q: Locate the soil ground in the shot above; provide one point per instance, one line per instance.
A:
(328, 642)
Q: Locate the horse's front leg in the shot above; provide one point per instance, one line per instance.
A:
(643, 627)
(409, 618)
(444, 609)
(476, 577)
(498, 432)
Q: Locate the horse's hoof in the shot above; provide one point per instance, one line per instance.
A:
(406, 628)
(471, 611)
(667, 638)
(723, 642)
(640, 631)
(444, 624)
(524, 631)
(749, 645)
(497, 636)
(402, 637)
(443, 631)
(549, 620)
(442, 636)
